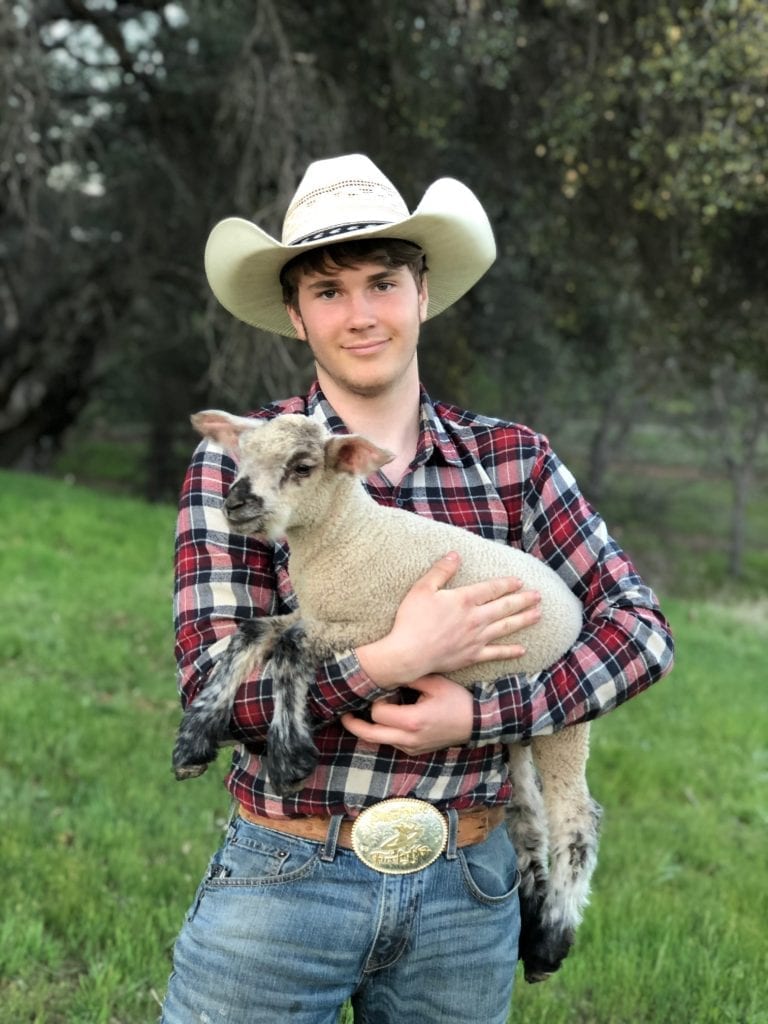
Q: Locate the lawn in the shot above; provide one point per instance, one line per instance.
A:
(102, 850)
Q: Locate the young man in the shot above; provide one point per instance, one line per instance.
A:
(288, 922)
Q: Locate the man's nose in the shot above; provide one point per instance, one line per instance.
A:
(362, 313)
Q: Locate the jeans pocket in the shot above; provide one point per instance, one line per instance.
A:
(490, 870)
(255, 856)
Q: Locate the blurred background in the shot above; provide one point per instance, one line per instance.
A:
(621, 151)
(619, 148)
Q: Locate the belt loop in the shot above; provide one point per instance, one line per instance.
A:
(453, 831)
(332, 838)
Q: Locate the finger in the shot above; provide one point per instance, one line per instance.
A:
(500, 652)
(443, 570)
(402, 717)
(511, 624)
(372, 732)
(491, 590)
(523, 600)
(512, 604)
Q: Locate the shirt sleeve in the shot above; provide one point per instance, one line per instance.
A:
(221, 580)
(625, 644)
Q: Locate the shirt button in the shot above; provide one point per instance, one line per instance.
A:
(399, 502)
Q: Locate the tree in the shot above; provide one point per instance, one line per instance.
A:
(617, 148)
(148, 138)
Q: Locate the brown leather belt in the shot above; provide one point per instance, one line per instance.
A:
(474, 826)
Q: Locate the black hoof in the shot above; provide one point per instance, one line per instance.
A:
(533, 977)
(189, 771)
(544, 952)
(192, 755)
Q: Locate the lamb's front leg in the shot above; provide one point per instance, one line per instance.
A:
(291, 751)
(205, 723)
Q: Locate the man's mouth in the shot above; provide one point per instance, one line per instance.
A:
(366, 347)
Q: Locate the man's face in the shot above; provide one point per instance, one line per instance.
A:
(362, 324)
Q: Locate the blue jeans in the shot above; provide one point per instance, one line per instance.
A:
(285, 929)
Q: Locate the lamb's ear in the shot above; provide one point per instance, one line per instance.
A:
(350, 453)
(222, 427)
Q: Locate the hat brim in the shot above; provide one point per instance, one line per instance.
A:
(243, 263)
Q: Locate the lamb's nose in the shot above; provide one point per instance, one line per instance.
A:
(239, 494)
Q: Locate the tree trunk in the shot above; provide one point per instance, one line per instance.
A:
(47, 366)
(618, 415)
(746, 401)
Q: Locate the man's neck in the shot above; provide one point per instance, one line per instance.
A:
(390, 419)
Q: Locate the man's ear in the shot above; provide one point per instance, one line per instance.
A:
(222, 427)
(423, 298)
(350, 453)
(296, 319)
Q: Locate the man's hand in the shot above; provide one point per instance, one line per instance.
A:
(441, 717)
(438, 630)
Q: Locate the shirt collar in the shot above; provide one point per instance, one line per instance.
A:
(320, 409)
(434, 439)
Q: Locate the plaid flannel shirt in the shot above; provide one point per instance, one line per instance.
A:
(498, 479)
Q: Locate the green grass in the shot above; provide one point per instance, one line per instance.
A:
(104, 847)
(101, 850)
(676, 930)
(110, 463)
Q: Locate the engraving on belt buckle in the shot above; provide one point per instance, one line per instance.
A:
(399, 836)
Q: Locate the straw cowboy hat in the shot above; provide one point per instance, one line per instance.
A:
(340, 199)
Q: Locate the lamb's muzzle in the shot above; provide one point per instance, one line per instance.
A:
(243, 509)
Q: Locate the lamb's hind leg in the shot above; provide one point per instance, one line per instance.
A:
(205, 723)
(574, 824)
(291, 751)
(527, 827)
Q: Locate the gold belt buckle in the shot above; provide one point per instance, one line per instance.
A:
(399, 836)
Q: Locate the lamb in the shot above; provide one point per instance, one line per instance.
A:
(297, 480)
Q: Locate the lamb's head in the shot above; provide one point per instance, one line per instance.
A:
(289, 469)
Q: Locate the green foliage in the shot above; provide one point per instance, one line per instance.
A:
(653, 125)
(618, 148)
(682, 87)
(102, 850)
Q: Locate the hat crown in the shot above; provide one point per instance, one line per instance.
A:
(340, 195)
(340, 199)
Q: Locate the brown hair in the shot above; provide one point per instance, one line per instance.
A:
(389, 252)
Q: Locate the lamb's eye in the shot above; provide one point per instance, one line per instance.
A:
(302, 469)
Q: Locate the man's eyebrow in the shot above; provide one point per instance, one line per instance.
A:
(382, 274)
(321, 283)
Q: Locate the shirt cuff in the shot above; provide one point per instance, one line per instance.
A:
(342, 685)
(497, 721)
